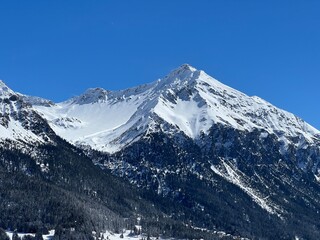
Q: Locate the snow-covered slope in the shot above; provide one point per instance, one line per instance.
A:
(5, 91)
(186, 100)
(18, 120)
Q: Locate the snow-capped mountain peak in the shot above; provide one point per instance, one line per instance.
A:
(183, 70)
(185, 101)
(2, 84)
(5, 91)
(177, 78)
(91, 95)
(201, 101)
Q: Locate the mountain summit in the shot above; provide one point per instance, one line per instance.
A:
(182, 72)
(187, 100)
(5, 91)
(92, 95)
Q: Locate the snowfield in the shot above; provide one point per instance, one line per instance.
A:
(21, 235)
(188, 100)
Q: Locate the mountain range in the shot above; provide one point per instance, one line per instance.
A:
(185, 156)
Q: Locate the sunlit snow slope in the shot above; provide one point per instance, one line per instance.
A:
(18, 120)
(187, 100)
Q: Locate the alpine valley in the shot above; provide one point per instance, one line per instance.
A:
(184, 157)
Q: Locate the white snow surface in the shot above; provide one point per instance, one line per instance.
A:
(5, 91)
(21, 235)
(13, 129)
(16, 131)
(187, 99)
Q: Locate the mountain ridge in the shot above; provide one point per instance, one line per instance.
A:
(186, 100)
(186, 97)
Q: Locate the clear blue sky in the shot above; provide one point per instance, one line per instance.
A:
(57, 49)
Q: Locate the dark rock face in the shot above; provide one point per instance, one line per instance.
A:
(18, 110)
(244, 183)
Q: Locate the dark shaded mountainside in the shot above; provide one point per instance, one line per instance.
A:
(192, 159)
(47, 183)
